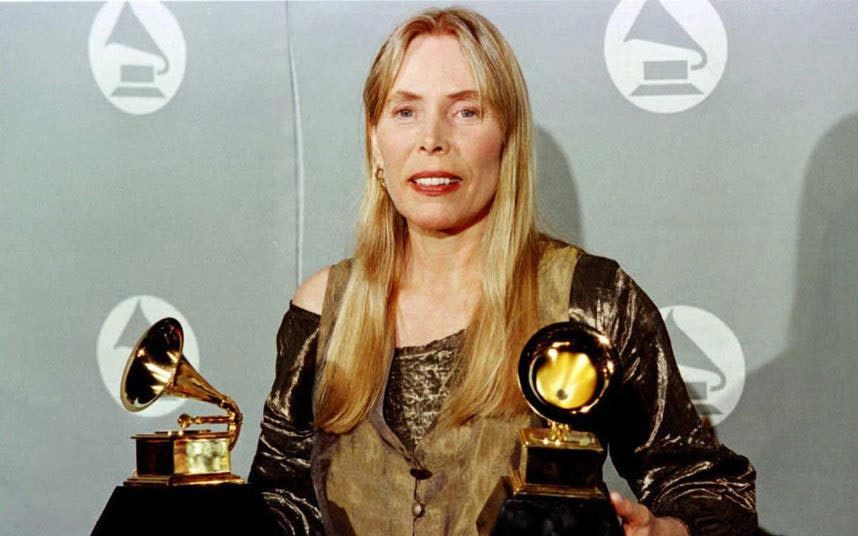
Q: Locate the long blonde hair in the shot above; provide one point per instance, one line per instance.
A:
(362, 341)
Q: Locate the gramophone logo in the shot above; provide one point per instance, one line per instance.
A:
(710, 359)
(665, 56)
(137, 54)
(120, 332)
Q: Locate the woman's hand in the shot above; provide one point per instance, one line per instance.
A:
(638, 520)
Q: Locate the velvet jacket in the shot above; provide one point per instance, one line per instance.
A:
(366, 482)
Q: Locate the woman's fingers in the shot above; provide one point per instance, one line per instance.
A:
(638, 520)
(633, 514)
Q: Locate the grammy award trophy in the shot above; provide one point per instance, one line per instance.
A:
(155, 368)
(565, 373)
(183, 482)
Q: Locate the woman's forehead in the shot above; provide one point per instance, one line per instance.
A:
(434, 65)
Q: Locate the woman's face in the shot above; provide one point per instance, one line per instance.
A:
(440, 151)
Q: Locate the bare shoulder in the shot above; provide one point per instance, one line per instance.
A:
(311, 294)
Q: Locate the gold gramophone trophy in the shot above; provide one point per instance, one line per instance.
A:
(565, 373)
(155, 368)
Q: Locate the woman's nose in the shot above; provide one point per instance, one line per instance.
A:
(434, 138)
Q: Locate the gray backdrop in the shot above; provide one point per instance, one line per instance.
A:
(210, 157)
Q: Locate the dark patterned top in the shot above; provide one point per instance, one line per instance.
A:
(418, 386)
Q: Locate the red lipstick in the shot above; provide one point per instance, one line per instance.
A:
(434, 182)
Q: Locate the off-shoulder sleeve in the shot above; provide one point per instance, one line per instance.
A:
(281, 466)
(673, 462)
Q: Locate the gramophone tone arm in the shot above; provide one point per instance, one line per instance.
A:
(232, 420)
(186, 420)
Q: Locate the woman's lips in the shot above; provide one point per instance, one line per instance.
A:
(434, 186)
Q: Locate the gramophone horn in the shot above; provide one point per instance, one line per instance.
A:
(564, 372)
(157, 367)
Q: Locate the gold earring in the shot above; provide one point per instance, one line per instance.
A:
(379, 176)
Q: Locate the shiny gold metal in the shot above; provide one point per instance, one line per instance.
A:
(187, 457)
(559, 461)
(379, 176)
(559, 435)
(155, 368)
(565, 379)
(520, 487)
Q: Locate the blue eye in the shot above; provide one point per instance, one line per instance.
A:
(469, 113)
(405, 113)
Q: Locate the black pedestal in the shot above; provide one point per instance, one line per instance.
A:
(228, 509)
(544, 515)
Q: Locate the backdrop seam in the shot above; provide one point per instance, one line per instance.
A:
(299, 154)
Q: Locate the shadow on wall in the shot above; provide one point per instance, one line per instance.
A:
(798, 412)
(556, 193)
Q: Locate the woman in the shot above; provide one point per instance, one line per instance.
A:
(395, 407)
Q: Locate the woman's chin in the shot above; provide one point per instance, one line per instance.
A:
(440, 226)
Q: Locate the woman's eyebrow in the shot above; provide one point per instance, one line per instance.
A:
(464, 94)
(401, 95)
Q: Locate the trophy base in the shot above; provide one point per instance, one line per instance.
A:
(516, 509)
(529, 489)
(136, 480)
(185, 458)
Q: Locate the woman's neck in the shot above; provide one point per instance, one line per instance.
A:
(441, 287)
(443, 263)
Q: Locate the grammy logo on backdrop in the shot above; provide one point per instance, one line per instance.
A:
(565, 373)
